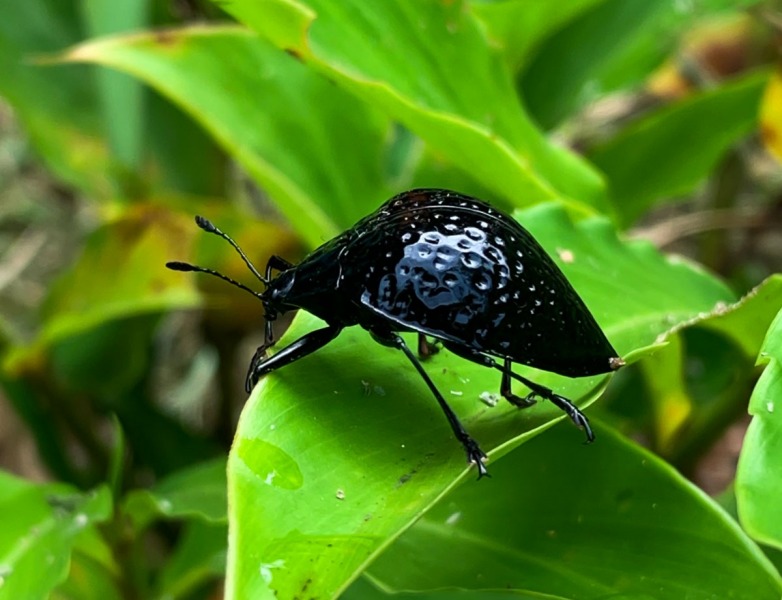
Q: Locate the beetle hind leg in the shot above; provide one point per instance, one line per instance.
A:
(507, 392)
(426, 348)
(536, 390)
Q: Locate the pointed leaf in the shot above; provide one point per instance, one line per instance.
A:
(288, 126)
(759, 476)
(669, 152)
(338, 453)
(474, 119)
(609, 521)
(39, 530)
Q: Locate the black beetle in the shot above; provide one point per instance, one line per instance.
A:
(447, 266)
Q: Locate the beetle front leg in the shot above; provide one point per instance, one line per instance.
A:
(560, 402)
(306, 344)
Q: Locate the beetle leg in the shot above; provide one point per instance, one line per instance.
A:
(306, 344)
(560, 402)
(425, 347)
(506, 390)
(474, 453)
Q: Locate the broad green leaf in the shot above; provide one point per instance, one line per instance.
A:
(197, 491)
(198, 558)
(614, 45)
(520, 25)
(452, 89)
(567, 68)
(40, 527)
(363, 589)
(120, 96)
(289, 127)
(771, 115)
(94, 574)
(759, 477)
(634, 291)
(607, 521)
(337, 454)
(724, 341)
(58, 106)
(669, 152)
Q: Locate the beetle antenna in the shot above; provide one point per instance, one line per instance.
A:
(209, 227)
(183, 266)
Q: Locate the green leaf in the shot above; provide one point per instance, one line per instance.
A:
(289, 127)
(41, 525)
(198, 558)
(669, 152)
(120, 96)
(521, 25)
(759, 476)
(614, 45)
(628, 286)
(94, 574)
(690, 411)
(337, 454)
(587, 523)
(568, 66)
(474, 119)
(197, 491)
(55, 106)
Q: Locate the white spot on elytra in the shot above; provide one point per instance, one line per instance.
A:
(770, 407)
(452, 519)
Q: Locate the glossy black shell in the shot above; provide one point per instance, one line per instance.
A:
(454, 268)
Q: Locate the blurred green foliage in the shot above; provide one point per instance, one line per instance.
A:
(598, 123)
